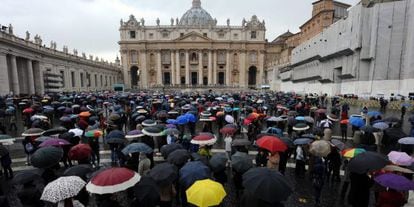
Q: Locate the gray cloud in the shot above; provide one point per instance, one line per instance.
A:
(91, 26)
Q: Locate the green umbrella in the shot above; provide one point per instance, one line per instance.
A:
(46, 157)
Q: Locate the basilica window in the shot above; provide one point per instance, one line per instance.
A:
(134, 56)
(205, 34)
(62, 74)
(81, 79)
(151, 35)
(96, 80)
(72, 77)
(253, 34)
(236, 36)
(221, 57)
(253, 57)
(132, 34)
(221, 35)
(165, 35)
(181, 34)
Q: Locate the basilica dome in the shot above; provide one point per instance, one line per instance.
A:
(196, 16)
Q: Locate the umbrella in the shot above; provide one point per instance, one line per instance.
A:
(42, 139)
(182, 120)
(27, 176)
(28, 110)
(344, 121)
(167, 149)
(79, 170)
(65, 119)
(394, 181)
(149, 123)
(381, 125)
(193, 171)
(396, 168)
(134, 134)
(228, 130)
(240, 142)
(171, 131)
(400, 158)
(320, 111)
(300, 118)
(164, 174)
(153, 131)
(62, 188)
(292, 113)
(137, 147)
(241, 162)
(46, 157)
(229, 119)
(204, 139)
(356, 121)
(338, 144)
(32, 132)
(275, 119)
(54, 143)
(369, 129)
(172, 121)
(406, 141)
(115, 134)
(178, 157)
(191, 117)
(320, 148)
(35, 117)
(267, 185)
(391, 119)
(205, 193)
(112, 180)
(309, 119)
(146, 192)
(54, 131)
(85, 114)
(218, 162)
(301, 127)
(367, 161)
(77, 132)
(352, 152)
(302, 141)
(374, 113)
(94, 133)
(80, 152)
(271, 143)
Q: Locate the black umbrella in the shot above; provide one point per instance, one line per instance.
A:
(218, 162)
(369, 129)
(267, 185)
(167, 149)
(46, 157)
(57, 130)
(178, 157)
(240, 142)
(392, 135)
(26, 176)
(146, 192)
(116, 141)
(367, 161)
(241, 162)
(164, 174)
(153, 131)
(79, 170)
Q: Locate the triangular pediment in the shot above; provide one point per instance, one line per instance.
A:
(193, 37)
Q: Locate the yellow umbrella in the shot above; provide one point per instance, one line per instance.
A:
(204, 193)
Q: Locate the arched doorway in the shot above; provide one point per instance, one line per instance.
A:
(134, 76)
(252, 76)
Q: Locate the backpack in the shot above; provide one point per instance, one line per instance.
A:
(29, 147)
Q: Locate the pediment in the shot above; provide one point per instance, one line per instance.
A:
(193, 37)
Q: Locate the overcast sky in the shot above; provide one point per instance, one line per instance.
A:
(91, 26)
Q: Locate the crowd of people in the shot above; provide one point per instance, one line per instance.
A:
(165, 150)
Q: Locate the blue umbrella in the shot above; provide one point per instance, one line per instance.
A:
(115, 134)
(65, 119)
(356, 121)
(381, 125)
(374, 113)
(276, 131)
(172, 121)
(137, 147)
(182, 120)
(191, 117)
(302, 141)
(407, 105)
(236, 109)
(406, 141)
(300, 118)
(61, 108)
(193, 171)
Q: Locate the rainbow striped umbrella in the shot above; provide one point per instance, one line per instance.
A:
(352, 152)
(94, 133)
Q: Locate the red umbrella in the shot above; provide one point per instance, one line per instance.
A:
(271, 143)
(228, 130)
(204, 139)
(321, 111)
(112, 180)
(247, 121)
(28, 110)
(80, 152)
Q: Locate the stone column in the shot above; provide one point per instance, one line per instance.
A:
(144, 70)
(228, 71)
(30, 77)
(242, 69)
(39, 85)
(210, 68)
(214, 67)
(159, 69)
(125, 70)
(4, 75)
(187, 68)
(172, 75)
(200, 68)
(259, 81)
(177, 67)
(15, 75)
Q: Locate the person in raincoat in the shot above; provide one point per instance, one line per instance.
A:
(318, 178)
(359, 193)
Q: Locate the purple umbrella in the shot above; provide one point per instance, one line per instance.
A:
(171, 126)
(54, 142)
(396, 182)
(400, 158)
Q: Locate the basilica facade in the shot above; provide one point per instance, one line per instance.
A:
(193, 51)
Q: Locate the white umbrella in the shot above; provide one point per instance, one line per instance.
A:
(78, 132)
(62, 188)
(229, 119)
